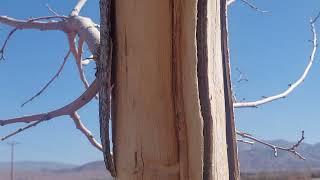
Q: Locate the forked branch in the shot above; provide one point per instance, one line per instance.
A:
(30, 24)
(73, 25)
(275, 148)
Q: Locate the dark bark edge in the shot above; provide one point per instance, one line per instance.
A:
(234, 173)
(203, 83)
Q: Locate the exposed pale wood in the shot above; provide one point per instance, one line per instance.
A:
(211, 90)
(161, 99)
(145, 125)
(186, 83)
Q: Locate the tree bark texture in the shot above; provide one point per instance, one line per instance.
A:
(172, 117)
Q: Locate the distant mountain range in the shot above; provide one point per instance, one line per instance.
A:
(53, 171)
(253, 158)
(37, 166)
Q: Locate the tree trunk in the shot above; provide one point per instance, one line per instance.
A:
(172, 110)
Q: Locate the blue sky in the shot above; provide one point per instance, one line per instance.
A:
(271, 49)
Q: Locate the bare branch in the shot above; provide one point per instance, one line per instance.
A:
(52, 10)
(21, 129)
(65, 110)
(229, 2)
(292, 86)
(51, 80)
(34, 23)
(77, 56)
(76, 10)
(244, 141)
(253, 6)
(242, 76)
(275, 148)
(2, 57)
(18, 24)
(76, 118)
(78, 123)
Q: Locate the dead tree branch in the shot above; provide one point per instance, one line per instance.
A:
(242, 76)
(21, 130)
(65, 110)
(251, 5)
(74, 26)
(245, 142)
(292, 86)
(76, 10)
(51, 80)
(77, 55)
(275, 148)
(11, 21)
(34, 23)
(76, 118)
(52, 10)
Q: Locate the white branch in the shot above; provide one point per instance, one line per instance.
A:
(34, 23)
(65, 110)
(245, 142)
(76, 118)
(76, 10)
(73, 25)
(78, 55)
(292, 86)
(229, 2)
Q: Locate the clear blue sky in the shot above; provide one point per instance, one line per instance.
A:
(271, 49)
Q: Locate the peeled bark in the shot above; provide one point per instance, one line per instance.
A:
(171, 97)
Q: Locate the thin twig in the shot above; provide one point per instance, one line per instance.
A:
(242, 76)
(22, 129)
(51, 80)
(2, 57)
(245, 142)
(76, 119)
(65, 110)
(251, 5)
(295, 84)
(52, 10)
(275, 148)
(77, 55)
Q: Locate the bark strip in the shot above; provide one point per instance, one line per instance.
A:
(104, 76)
(204, 88)
(234, 173)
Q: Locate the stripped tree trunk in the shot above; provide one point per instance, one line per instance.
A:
(172, 108)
